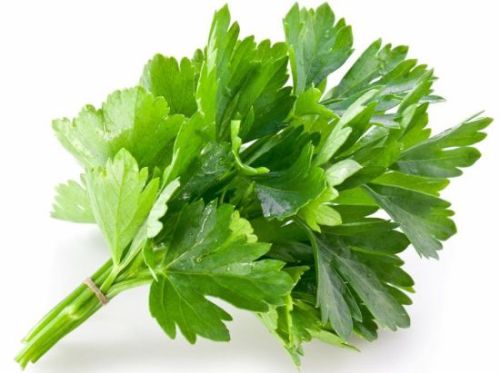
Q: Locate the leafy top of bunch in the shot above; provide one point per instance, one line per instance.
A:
(279, 194)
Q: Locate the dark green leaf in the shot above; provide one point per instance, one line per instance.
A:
(213, 252)
(283, 193)
(318, 45)
(425, 219)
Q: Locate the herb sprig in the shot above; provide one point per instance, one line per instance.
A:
(216, 177)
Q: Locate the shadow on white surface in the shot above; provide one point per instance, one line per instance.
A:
(106, 346)
(251, 350)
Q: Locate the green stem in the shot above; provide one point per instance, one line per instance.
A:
(76, 308)
(64, 303)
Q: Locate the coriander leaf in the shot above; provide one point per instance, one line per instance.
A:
(356, 197)
(388, 270)
(280, 323)
(364, 69)
(163, 76)
(211, 255)
(121, 199)
(280, 151)
(72, 203)
(370, 243)
(317, 44)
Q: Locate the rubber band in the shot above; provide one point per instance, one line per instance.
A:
(98, 293)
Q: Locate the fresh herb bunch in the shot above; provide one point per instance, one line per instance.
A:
(216, 177)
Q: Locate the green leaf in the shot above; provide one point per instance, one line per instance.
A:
(296, 323)
(317, 44)
(210, 254)
(420, 184)
(316, 118)
(209, 167)
(283, 193)
(333, 142)
(217, 53)
(413, 124)
(340, 171)
(382, 305)
(319, 212)
(132, 119)
(425, 219)
(149, 257)
(383, 68)
(357, 119)
(72, 203)
(421, 89)
(152, 226)
(242, 78)
(235, 146)
(263, 100)
(163, 76)
(121, 198)
(369, 235)
(388, 270)
(361, 72)
(331, 293)
(189, 141)
(443, 155)
(298, 178)
(308, 103)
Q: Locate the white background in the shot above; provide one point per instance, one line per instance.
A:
(56, 56)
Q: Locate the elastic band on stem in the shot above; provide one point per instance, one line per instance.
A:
(98, 293)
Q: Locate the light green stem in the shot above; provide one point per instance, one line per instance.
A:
(76, 308)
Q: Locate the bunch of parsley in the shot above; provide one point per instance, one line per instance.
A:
(218, 177)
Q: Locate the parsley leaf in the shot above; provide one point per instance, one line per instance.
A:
(443, 155)
(132, 119)
(218, 176)
(208, 255)
(121, 198)
(174, 81)
(72, 203)
(318, 45)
